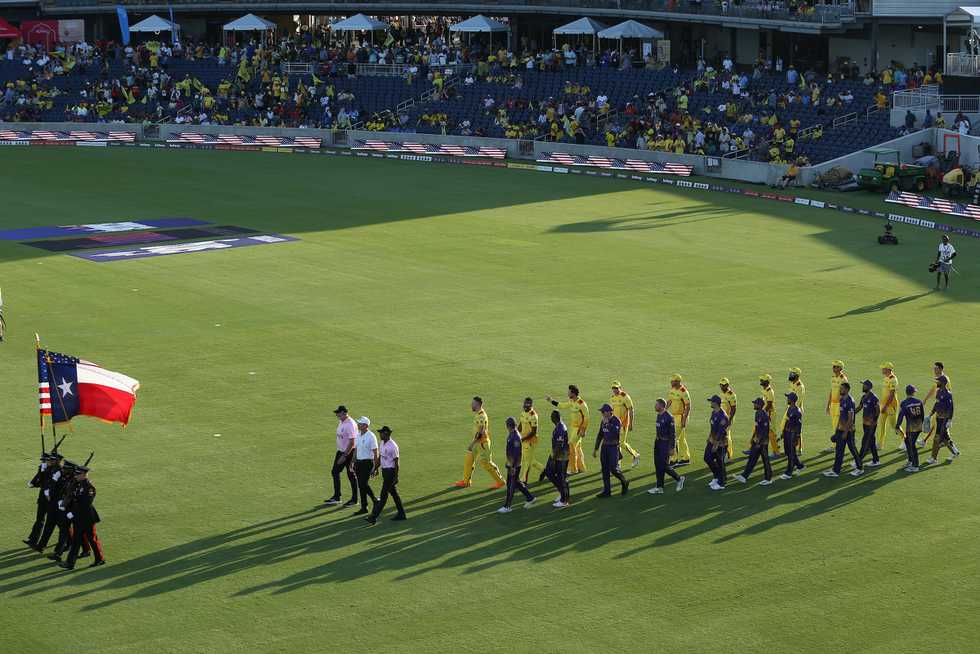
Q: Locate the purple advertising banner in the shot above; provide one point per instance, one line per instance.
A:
(183, 248)
(29, 233)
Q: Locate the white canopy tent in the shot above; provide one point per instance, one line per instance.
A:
(581, 27)
(360, 23)
(154, 24)
(630, 29)
(249, 23)
(481, 25)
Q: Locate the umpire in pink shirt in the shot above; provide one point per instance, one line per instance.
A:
(389, 477)
(344, 458)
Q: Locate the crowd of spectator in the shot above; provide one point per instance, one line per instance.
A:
(713, 110)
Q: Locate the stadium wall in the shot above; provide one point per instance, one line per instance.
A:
(68, 127)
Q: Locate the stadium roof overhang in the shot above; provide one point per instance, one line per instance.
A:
(420, 7)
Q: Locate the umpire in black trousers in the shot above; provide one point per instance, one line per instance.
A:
(663, 445)
(366, 464)
(390, 466)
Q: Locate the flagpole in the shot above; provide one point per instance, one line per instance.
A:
(37, 353)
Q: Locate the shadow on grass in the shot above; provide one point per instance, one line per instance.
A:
(881, 306)
(296, 195)
(643, 220)
(459, 529)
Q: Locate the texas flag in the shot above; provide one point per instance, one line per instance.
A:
(69, 386)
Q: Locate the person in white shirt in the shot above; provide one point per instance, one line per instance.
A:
(366, 463)
(944, 261)
(343, 459)
(390, 466)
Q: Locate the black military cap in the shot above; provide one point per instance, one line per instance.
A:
(81, 469)
(385, 430)
(341, 409)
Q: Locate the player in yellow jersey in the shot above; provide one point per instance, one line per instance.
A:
(833, 399)
(527, 426)
(769, 397)
(888, 406)
(938, 370)
(728, 405)
(796, 386)
(679, 406)
(479, 448)
(622, 405)
(580, 424)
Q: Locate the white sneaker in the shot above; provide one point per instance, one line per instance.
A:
(857, 472)
(716, 487)
(656, 491)
(930, 461)
(765, 482)
(530, 503)
(830, 473)
(636, 462)
(740, 479)
(912, 469)
(680, 484)
(504, 509)
(562, 505)
(556, 503)
(785, 476)
(873, 464)
(713, 485)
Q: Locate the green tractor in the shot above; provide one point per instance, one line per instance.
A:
(889, 174)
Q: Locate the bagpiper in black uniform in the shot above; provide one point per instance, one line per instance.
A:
(84, 517)
(42, 482)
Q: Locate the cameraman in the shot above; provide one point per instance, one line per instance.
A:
(944, 261)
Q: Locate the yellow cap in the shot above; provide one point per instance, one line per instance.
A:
(616, 384)
(765, 377)
(889, 365)
(838, 363)
(675, 377)
(796, 371)
(724, 380)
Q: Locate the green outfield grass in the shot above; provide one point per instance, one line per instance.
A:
(413, 288)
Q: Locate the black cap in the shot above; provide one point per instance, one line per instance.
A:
(341, 409)
(81, 469)
(867, 383)
(605, 408)
(385, 430)
(758, 401)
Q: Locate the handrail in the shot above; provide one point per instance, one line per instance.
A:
(962, 63)
(296, 68)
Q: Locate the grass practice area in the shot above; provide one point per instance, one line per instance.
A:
(410, 289)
